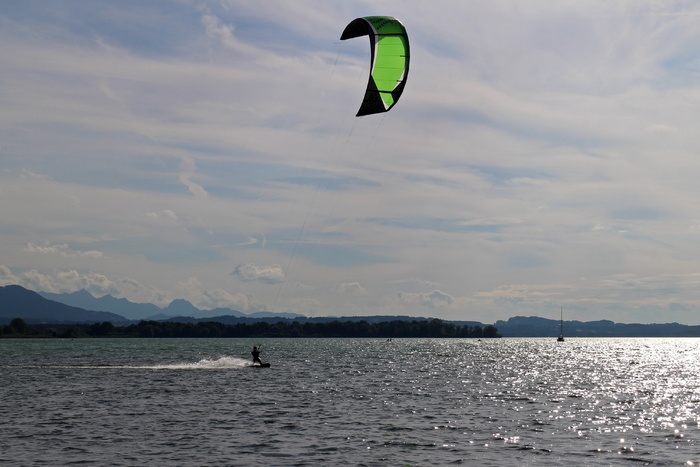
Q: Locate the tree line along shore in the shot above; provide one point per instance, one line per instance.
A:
(388, 329)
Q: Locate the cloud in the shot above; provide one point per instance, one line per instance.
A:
(196, 293)
(164, 214)
(70, 280)
(22, 174)
(271, 274)
(250, 241)
(224, 34)
(434, 299)
(196, 189)
(352, 288)
(62, 250)
(7, 277)
(60, 281)
(303, 306)
(524, 293)
(610, 229)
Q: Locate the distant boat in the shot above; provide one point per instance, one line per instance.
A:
(561, 326)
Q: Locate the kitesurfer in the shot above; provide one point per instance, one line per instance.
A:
(256, 355)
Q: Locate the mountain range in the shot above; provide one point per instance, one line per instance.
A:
(137, 311)
(18, 302)
(83, 307)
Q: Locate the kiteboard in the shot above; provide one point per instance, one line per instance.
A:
(262, 365)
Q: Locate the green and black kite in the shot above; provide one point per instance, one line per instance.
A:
(390, 56)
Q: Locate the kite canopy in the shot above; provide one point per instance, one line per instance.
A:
(390, 55)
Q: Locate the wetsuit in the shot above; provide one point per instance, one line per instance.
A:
(256, 356)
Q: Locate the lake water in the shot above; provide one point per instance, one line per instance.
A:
(501, 402)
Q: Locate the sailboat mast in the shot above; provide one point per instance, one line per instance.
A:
(561, 325)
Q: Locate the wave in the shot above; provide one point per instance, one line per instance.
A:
(222, 363)
(205, 364)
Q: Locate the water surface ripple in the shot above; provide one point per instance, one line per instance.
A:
(361, 402)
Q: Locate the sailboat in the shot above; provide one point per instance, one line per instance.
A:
(561, 326)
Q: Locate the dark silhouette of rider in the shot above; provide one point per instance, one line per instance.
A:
(256, 355)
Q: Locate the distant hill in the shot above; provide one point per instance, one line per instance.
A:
(384, 318)
(270, 314)
(180, 307)
(275, 318)
(18, 302)
(223, 312)
(534, 326)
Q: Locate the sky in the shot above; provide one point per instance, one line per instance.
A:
(543, 155)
